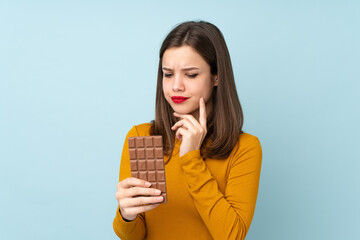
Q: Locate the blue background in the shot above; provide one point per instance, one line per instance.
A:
(75, 76)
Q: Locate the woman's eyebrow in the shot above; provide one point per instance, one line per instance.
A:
(184, 69)
(190, 68)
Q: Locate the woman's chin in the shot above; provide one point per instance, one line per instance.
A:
(185, 111)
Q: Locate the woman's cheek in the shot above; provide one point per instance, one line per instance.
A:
(165, 92)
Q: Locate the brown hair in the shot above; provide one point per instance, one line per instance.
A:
(225, 122)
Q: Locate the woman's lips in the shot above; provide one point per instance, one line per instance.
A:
(178, 99)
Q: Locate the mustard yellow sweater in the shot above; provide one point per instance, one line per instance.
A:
(207, 199)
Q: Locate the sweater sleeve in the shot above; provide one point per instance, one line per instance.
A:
(229, 215)
(135, 229)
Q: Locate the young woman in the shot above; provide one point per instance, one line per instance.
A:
(212, 167)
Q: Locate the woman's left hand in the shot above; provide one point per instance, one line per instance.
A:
(190, 131)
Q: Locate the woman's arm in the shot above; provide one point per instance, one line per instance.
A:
(229, 215)
(135, 229)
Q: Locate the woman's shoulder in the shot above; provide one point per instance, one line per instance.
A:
(140, 130)
(248, 139)
(247, 148)
(143, 129)
(247, 142)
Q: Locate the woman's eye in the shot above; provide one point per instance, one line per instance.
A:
(167, 74)
(192, 75)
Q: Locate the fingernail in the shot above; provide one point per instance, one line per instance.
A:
(148, 184)
(159, 198)
(157, 191)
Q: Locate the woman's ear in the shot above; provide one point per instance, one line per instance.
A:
(215, 80)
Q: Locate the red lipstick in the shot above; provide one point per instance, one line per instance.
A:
(178, 99)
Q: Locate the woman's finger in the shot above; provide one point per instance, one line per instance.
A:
(183, 123)
(136, 191)
(136, 210)
(138, 201)
(133, 182)
(188, 117)
(180, 132)
(178, 124)
(202, 118)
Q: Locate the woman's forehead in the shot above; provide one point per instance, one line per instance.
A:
(184, 57)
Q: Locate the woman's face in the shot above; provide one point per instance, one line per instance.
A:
(187, 78)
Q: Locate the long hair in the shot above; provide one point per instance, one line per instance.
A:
(225, 122)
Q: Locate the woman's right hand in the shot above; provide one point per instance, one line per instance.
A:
(132, 193)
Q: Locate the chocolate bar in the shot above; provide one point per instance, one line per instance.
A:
(147, 161)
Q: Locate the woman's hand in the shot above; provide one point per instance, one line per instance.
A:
(190, 131)
(132, 193)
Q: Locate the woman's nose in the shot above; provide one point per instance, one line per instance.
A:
(178, 84)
